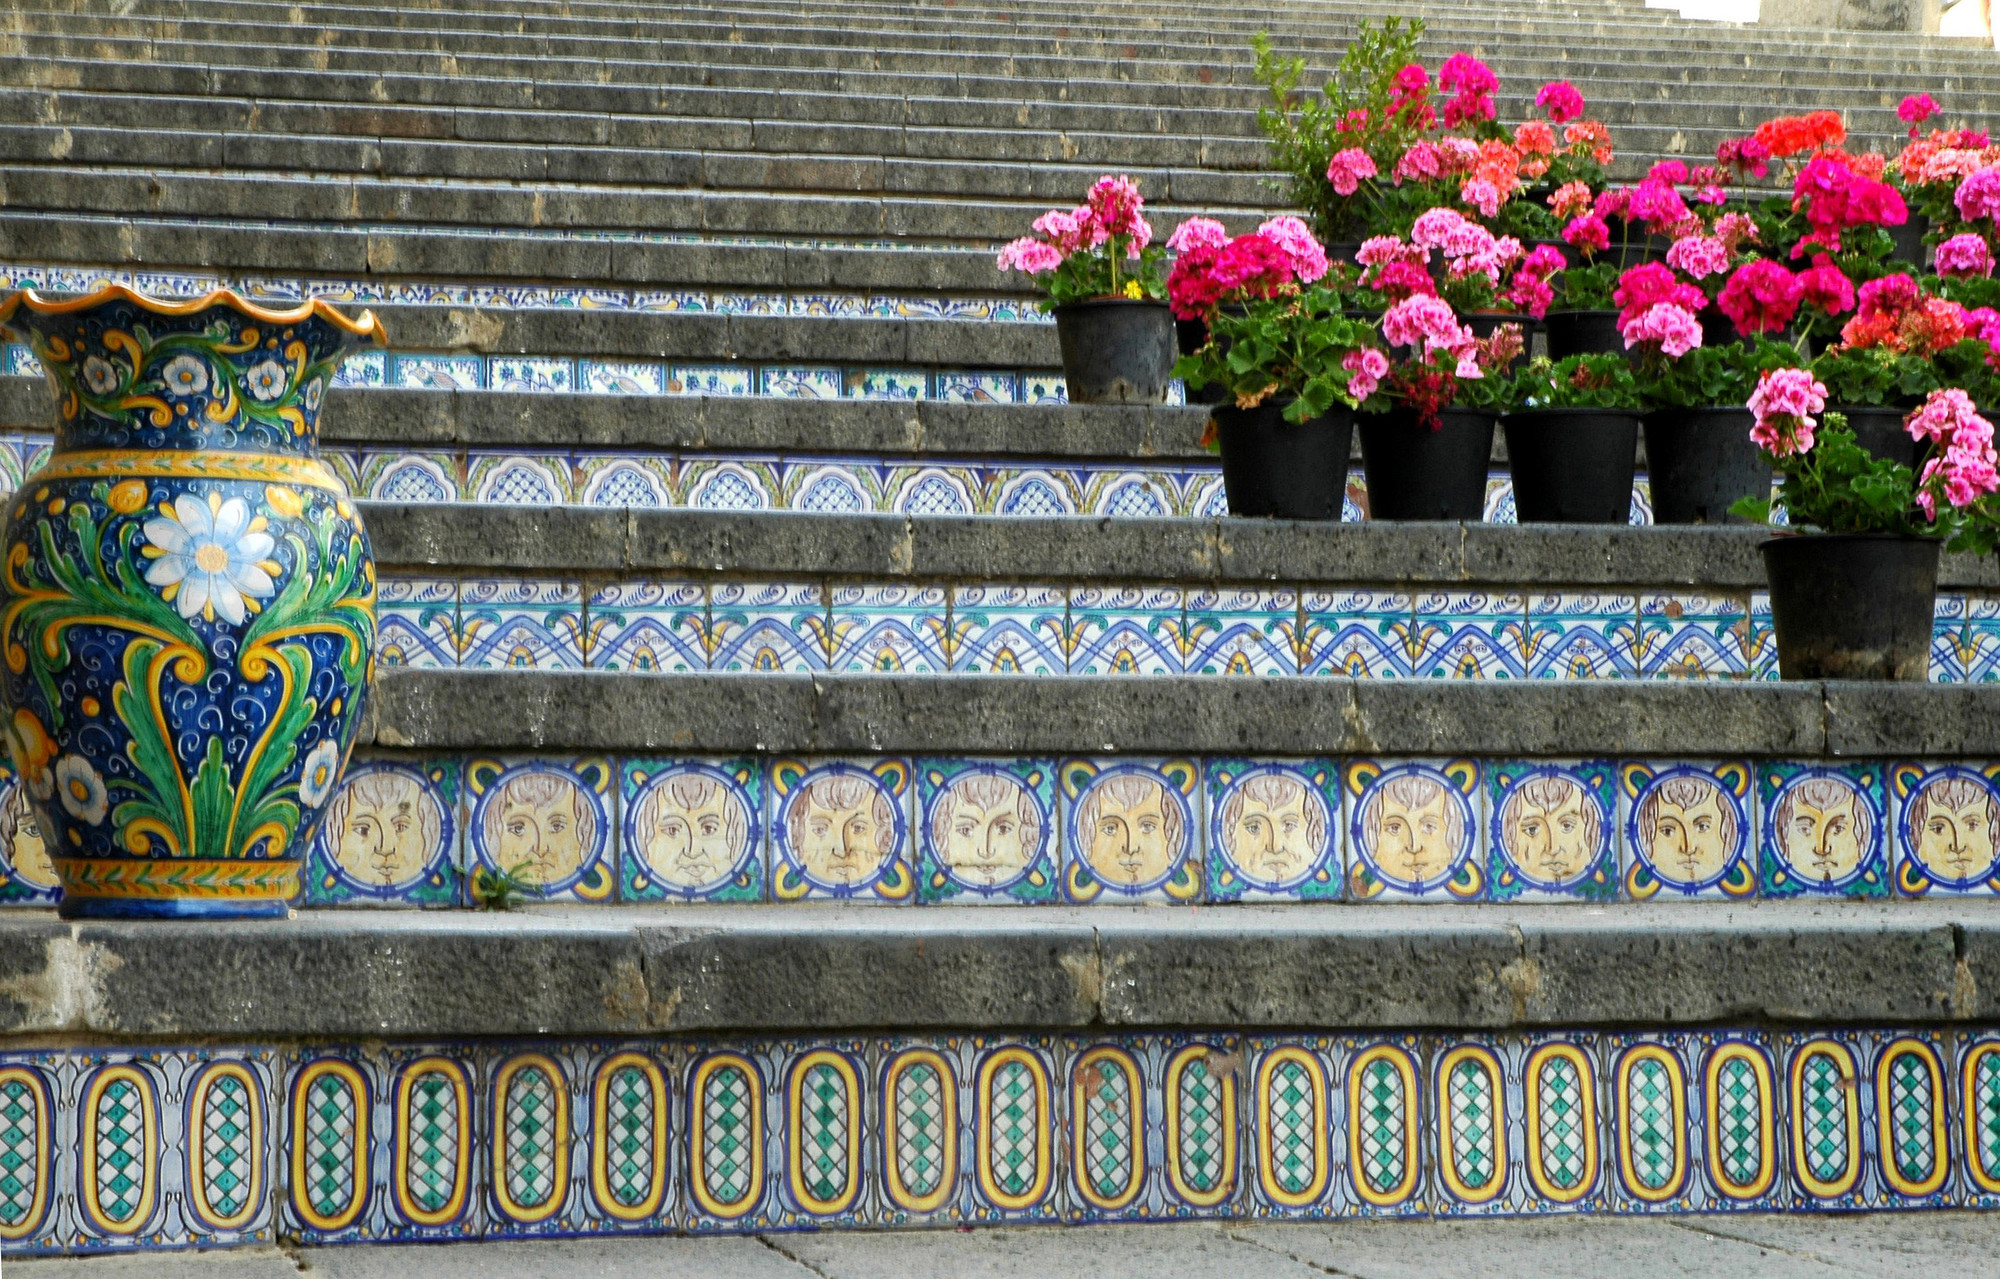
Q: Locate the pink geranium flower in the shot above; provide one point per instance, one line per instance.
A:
(1964, 256)
(1365, 370)
(1290, 234)
(1698, 256)
(1348, 168)
(1030, 256)
(1673, 328)
(1589, 233)
(1978, 196)
(1783, 405)
(1198, 234)
(1761, 297)
(1561, 100)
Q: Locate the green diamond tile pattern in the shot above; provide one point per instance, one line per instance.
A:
(329, 1153)
(628, 1130)
(1649, 1107)
(726, 1131)
(1910, 1103)
(121, 1150)
(530, 1137)
(1293, 1118)
(823, 1130)
(1560, 1089)
(1469, 1094)
(1824, 1119)
(19, 1168)
(1201, 1129)
(431, 1172)
(1012, 1150)
(1986, 1102)
(1383, 1113)
(1107, 1129)
(225, 1147)
(1739, 1141)
(920, 1129)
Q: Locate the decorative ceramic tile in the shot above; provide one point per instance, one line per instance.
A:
(748, 303)
(693, 830)
(1498, 507)
(1241, 632)
(623, 479)
(987, 830)
(799, 382)
(1359, 633)
(887, 384)
(546, 821)
(1273, 830)
(1415, 829)
(670, 300)
(648, 626)
(841, 829)
(839, 306)
(1209, 498)
(437, 372)
(1980, 650)
(416, 622)
(528, 623)
(1693, 636)
(1044, 388)
(831, 488)
(390, 837)
(711, 379)
(1125, 630)
(934, 490)
(515, 479)
(1823, 830)
(977, 388)
(530, 373)
(735, 484)
(1128, 495)
(769, 626)
(410, 477)
(889, 628)
(363, 368)
(1036, 491)
(1945, 817)
(1690, 829)
(27, 876)
(1290, 1086)
(35, 453)
(621, 377)
(1008, 629)
(1469, 635)
(1948, 647)
(1830, 1134)
(17, 359)
(1582, 636)
(1553, 830)
(1131, 829)
(1475, 1120)
(1763, 644)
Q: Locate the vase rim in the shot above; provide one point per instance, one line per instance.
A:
(367, 326)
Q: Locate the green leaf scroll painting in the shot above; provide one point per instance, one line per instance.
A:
(187, 602)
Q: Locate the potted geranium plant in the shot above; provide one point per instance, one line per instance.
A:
(1573, 440)
(1103, 275)
(1892, 354)
(1853, 585)
(1289, 363)
(1427, 430)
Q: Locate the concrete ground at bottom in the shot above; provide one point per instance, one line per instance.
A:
(1927, 1245)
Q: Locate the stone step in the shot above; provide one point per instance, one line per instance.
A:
(653, 970)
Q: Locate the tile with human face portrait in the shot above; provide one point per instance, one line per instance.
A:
(1131, 829)
(1823, 829)
(1415, 829)
(1553, 830)
(693, 830)
(840, 829)
(27, 876)
(390, 837)
(546, 821)
(987, 831)
(1690, 829)
(1273, 830)
(1944, 819)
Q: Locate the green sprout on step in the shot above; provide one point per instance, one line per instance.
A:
(500, 889)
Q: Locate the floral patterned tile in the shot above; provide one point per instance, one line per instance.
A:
(935, 490)
(889, 628)
(390, 476)
(1132, 830)
(621, 377)
(1241, 632)
(530, 374)
(1008, 629)
(977, 388)
(1358, 633)
(1469, 635)
(1980, 650)
(1582, 636)
(770, 626)
(1125, 630)
(648, 626)
(517, 479)
(1036, 491)
(832, 487)
(887, 384)
(534, 624)
(709, 379)
(732, 484)
(548, 821)
(1044, 388)
(1693, 636)
(416, 622)
(1128, 495)
(623, 479)
(363, 368)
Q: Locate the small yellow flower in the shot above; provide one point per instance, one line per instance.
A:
(285, 501)
(127, 496)
(1133, 291)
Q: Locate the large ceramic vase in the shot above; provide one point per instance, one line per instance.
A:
(189, 601)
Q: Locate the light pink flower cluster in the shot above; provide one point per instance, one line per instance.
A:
(1030, 256)
(1673, 327)
(1296, 239)
(1198, 235)
(1964, 256)
(1115, 205)
(1072, 232)
(1365, 370)
(1347, 169)
(1483, 194)
(1112, 209)
(1979, 195)
(1428, 323)
(1736, 230)
(1381, 250)
(1420, 163)
(1451, 232)
(1698, 256)
(1783, 405)
(1963, 467)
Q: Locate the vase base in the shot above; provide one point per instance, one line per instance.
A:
(171, 908)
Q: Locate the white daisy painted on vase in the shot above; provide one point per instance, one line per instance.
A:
(322, 768)
(185, 375)
(211, 558)
(81, 788)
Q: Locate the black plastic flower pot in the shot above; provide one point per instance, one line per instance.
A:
(1190, 336)
(1484, 324)
(1700, 461)
(1417, 473)
(1583, 333)
(1878, 429)
(1909, 241)
(1853, 606)
(1290, 470)
(1116, 350)
(1342, 250)
(1572, 465)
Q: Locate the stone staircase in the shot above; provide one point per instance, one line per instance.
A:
(745, 576)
